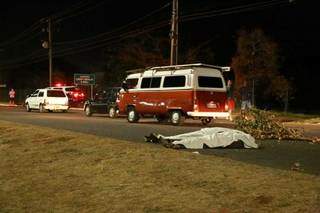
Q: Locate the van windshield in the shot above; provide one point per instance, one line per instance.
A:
(132, 83)
(55, 93)
(210, 82)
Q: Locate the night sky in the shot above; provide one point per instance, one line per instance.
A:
(294, 26)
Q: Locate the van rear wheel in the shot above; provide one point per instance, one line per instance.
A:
(133, 116)
(206, 121)
(176, 117)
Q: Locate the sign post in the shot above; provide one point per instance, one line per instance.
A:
(85, 80)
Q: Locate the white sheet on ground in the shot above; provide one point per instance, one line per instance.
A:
(213, 138)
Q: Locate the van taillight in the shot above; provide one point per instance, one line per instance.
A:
(195, 106)
(226, 106)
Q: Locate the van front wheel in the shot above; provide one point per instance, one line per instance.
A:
(133, 116)
(112, 112)
(176, 117)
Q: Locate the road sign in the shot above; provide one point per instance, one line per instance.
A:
(84, 79)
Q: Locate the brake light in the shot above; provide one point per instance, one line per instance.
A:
(195, 106)
(226, 106)
(75, 95)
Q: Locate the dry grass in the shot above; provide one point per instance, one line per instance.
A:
(47, 170)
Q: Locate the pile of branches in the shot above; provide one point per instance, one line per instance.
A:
(262, 125)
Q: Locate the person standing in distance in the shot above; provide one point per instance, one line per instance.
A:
(245, 94)
(230, 100)
(12, 95)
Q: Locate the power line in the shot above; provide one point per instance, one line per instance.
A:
(232, 10)
(23, 40)
(74, 7)
(58, 17)
(116, 38)
(107, 41)
(84, 48)
(95, 43)
(115, 30)
(21, 35)
(85, 10)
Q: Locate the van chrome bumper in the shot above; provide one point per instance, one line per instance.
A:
(225, 115)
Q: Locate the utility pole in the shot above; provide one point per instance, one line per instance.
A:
(174, 34)
(50, 49)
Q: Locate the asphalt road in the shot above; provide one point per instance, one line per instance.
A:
(280, 155)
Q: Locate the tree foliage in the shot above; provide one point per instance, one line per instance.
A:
(148, 51)
(257, 58)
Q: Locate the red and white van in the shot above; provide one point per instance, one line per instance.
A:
(175, 93)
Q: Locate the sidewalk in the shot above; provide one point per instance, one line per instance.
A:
(8, 105)
(2, 104)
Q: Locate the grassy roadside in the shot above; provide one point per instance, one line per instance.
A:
(297, 117)
(44, 170)
(291, 117)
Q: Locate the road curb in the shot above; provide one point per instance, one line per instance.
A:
(8, 105)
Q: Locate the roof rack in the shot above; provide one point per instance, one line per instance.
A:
(135, 71)
(177, 67)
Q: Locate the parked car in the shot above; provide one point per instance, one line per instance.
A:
(47, 100)
(175, 92)
(76, 96)
(104, 102)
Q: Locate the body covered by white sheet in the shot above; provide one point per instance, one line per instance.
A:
(213, 137)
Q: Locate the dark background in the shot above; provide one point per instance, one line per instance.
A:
(293, 26)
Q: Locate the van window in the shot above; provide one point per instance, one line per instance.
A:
(132, 83)
(151, 82)
(55, 93)
(174, 81)
(211, 82)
